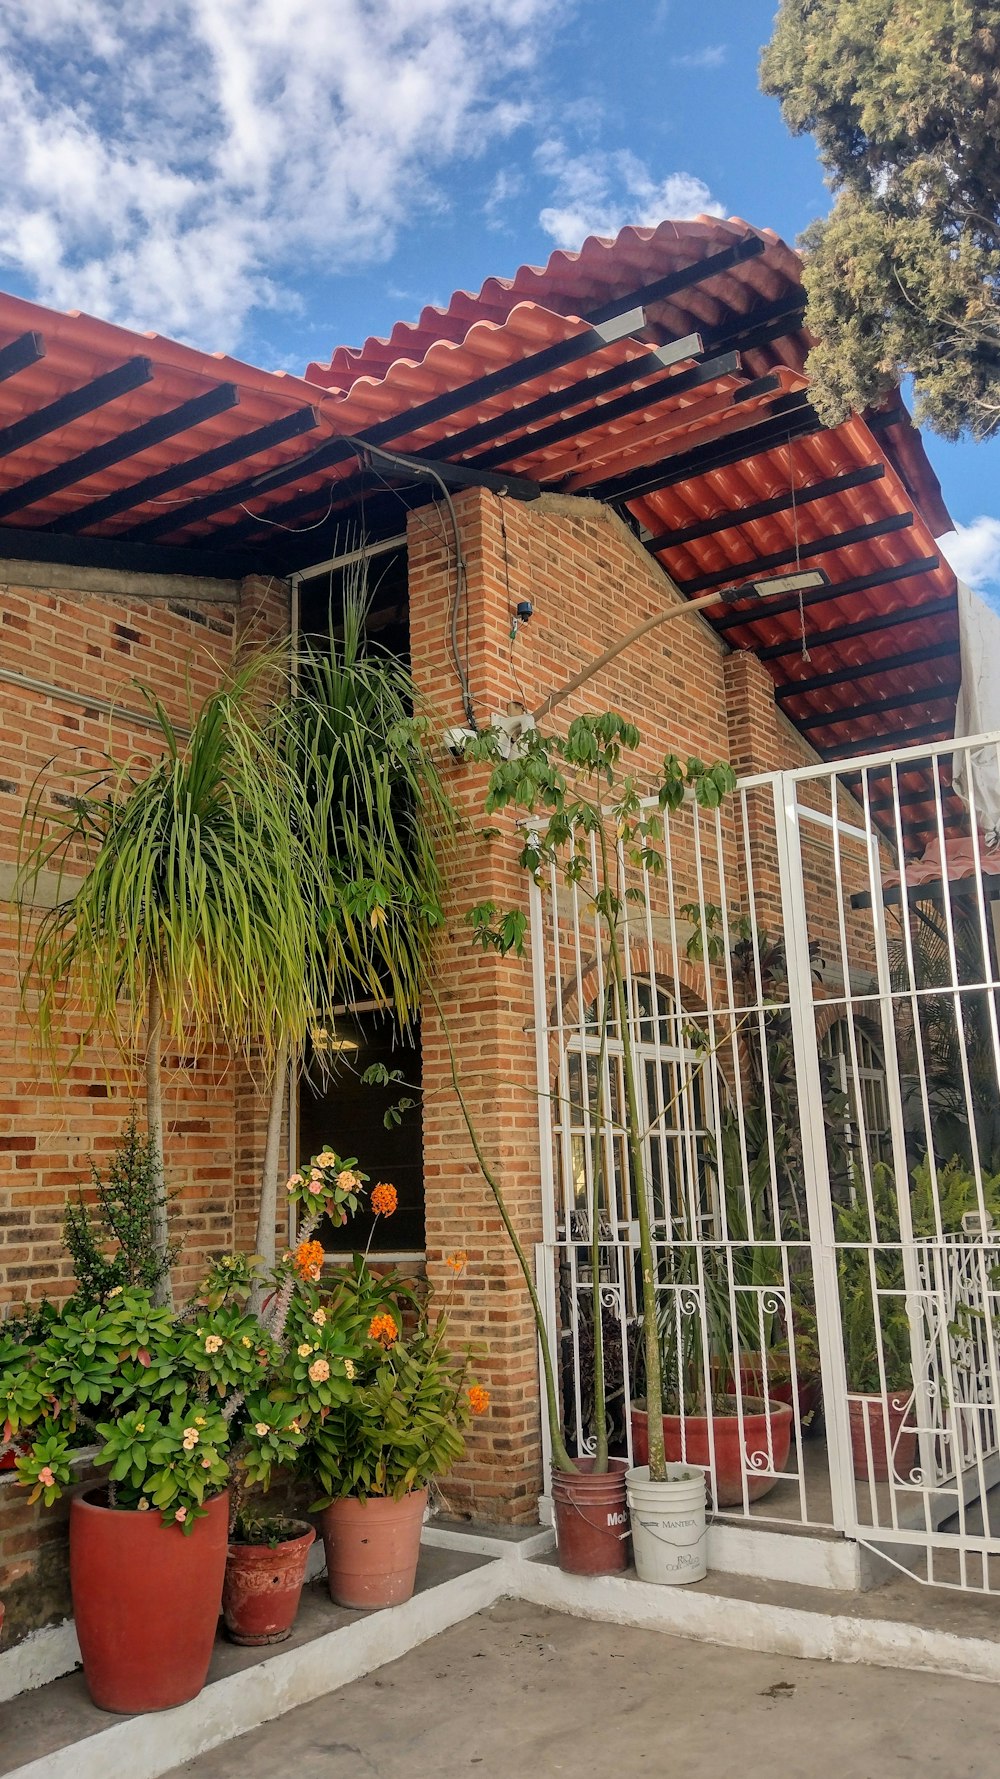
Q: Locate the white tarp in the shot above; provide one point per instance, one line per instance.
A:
(978, 709)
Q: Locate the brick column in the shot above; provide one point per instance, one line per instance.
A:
(486, 1001)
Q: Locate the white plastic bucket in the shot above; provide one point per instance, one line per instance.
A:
(669, 1540)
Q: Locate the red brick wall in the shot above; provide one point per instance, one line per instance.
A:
(590, 581)
(52, 1122)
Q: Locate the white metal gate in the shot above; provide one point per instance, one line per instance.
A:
(813, 1007)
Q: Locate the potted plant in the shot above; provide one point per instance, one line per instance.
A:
(876, 1329)
(401, 1425)
(177, 1405)
(265, 1574)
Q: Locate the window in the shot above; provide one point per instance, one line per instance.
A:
(674, 1090)
(342, 1111)
(863, 1086)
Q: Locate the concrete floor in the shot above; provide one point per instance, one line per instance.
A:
(522, 1693)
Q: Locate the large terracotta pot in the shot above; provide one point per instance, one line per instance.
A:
(687, 1442)
(372, 1548)
(591, 1514)
(146, 1600)
(263, 1587)
(898, 1457)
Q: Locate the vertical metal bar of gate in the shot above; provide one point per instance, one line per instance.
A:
(545, 1249)
(819, 1200)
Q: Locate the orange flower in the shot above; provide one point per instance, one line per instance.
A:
(383, 1328)
(479, 1399)
(309, 1259)
(457, 1262)
(384, 1199)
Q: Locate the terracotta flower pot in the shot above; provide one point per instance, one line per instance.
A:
(767, 1436)
(896, 1457)
(372, 1548)
(146, 1601)
(263, 1587)
(591, 1515)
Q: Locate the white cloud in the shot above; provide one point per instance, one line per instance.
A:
(712, 56)
(974, 552)
(173, 163)
(598, 193)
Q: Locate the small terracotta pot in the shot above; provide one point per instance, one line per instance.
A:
(372, 1548)
(591, 1515)
(146, 1600)
(896, 1457)
(687, 1441)
(263, 1587)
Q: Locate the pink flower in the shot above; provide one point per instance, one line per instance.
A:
(45, 1476)
(206, 1463)
(316, 1185)
(181, 1515)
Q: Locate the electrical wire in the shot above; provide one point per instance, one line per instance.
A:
(366, 454)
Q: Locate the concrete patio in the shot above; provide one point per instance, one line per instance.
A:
(521, 1690)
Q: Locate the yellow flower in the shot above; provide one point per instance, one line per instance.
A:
(261, 1429)
(212, 1343)
(349, 1368)
(319, 1371)
(346, 1180)
(199, 1420)
(246, 1341)
(305, 1350)
(319, 1317)
(140, 1426)
(327, 1158)
(191, 1437)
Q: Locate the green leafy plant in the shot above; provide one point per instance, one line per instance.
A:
(193, 916)
(577, 793)
(410, 1404)
(113, 1241)
(902, 275)
(180, 1404)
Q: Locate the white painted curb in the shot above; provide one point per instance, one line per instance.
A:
(145, 1747)
(750, 1624)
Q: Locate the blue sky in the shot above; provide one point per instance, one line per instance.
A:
(277, 177)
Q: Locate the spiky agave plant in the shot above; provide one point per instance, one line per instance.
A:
(191, 921)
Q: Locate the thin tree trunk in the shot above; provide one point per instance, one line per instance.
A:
(163, 1293)
(267, 1211)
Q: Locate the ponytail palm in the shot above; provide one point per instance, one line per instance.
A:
(193, 919)
(377, 816)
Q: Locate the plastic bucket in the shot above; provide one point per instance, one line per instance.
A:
(591, 1518)
(668, 1524)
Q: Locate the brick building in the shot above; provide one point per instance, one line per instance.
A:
(608, 437)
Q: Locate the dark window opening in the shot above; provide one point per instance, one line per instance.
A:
(321, 602)
(343, 1113)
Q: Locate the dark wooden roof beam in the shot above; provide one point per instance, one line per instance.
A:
(862, 583)
(818, 639)
(762, 509)
(21, 353)
(184, 418)
(76, 402)
(866, 670)
(806, 550)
